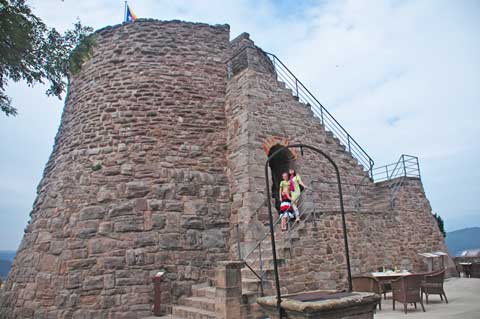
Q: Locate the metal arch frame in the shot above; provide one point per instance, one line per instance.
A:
(270, 216)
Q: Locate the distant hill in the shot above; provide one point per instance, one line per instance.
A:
(6, 258)
(4, 268)
(462, 239)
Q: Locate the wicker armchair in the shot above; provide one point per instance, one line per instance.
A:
(407, 290)
(433, 285)
(475, 270)
(367, 284)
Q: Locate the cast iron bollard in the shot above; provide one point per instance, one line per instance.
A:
(157, 293)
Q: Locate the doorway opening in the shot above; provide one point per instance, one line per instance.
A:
(279, 165)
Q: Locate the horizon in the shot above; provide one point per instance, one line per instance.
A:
(415, 80)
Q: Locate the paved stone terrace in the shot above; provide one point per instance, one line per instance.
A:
(463, 302)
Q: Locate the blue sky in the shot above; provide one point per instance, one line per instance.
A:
(400, 76)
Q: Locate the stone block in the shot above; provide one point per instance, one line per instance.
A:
(192, 222)
(93, 283)
(169, 241)
(136, 189)
(158, 221)
(92, 212)
(213, 238)
(193, 238)
(165, 191)
(146, 239)
(196, 207)
(122, 209)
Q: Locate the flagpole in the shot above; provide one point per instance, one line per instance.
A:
(125, 12)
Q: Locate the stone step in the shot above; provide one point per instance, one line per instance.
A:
(208, 292)
(249, 284)
(192, 313)
(267, 263)
(268, 274)
(203, 303)
(164, 317)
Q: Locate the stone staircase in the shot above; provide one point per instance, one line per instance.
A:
(200, 305)
(284, 241)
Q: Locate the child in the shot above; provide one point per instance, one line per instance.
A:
(285, 209)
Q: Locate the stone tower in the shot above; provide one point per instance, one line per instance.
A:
(158, 165)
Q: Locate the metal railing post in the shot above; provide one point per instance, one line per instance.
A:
(238, 243)
(296, 87)
(418, 169)
(348, 142)
(386, 170)
(404, 167)
(371, 168)
(261, 268)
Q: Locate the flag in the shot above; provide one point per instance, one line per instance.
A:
(129, 14)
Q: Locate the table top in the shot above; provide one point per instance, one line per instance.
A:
(390, 274)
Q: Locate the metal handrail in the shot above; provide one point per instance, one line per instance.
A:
(406, 166)
(300, 91)
(326, 118)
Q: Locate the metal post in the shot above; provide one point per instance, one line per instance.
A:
(418, 168)
(348, 142)
(157, 293)
(386, 170)
(238, 243)
(344, 226)
(261, 268)
(404, 167)
(296, 87)
(272, 238)
(321, 114)
(371, 168)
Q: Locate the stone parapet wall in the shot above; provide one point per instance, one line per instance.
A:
(136, 181)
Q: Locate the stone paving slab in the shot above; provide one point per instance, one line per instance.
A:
(463, 302)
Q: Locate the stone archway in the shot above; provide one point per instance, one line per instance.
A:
(279, 165)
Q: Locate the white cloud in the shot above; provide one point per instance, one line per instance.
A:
(401, 76)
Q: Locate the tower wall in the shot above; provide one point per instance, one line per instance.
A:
(136, 181)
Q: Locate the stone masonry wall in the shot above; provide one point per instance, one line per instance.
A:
(384, 238)
(136, 181)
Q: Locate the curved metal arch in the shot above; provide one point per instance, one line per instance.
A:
(270, 216)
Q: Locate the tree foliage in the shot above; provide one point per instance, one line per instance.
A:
(32, 52)
(439, 220)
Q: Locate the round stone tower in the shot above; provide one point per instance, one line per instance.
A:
(136, 182)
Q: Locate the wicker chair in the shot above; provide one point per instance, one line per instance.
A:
(407, 290)
(433, 285)
(475, 270)
(367, 284)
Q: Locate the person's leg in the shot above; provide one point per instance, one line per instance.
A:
(296, 212)
(284, 222)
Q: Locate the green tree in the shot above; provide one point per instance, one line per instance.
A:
(439, 220)
(32, 52)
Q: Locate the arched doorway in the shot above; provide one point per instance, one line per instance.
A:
(279, 165)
